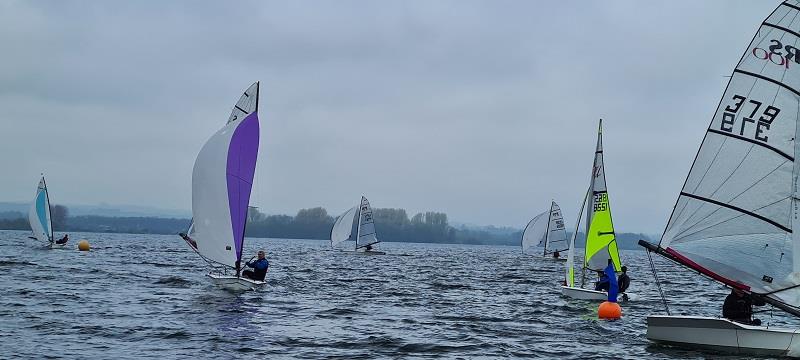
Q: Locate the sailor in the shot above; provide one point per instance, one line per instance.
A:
(623, 282)
(63, 240)
(603, 284)
(260, 267)
(556, 254)
(368, 247)
(738, 307)
(189, 240)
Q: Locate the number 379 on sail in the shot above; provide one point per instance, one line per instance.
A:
(752, 126)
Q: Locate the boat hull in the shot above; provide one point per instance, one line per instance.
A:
(230, 282)
(550, 258)
(364, 252)
(722, 335)
(583, 294)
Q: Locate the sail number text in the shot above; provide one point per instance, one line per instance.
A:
(758, 126)
(601, 202)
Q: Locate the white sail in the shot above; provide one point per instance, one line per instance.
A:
(535, 231)
(735, 215)
(556, 231)
(39, 214)
(343, 226)
(570, 265)
(221, 183)
(366, 226)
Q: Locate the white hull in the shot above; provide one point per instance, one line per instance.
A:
(234, 283)
(56, 246)
(364, 252)
(583, 294)
(722, 335)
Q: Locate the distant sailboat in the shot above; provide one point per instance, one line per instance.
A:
(365, 238)
(39, 217)
(601, 243)
(737, 216)
(546, 230)
(221, 183)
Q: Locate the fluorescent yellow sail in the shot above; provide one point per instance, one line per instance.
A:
(601, 234)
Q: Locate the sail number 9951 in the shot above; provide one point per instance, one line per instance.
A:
(761, 124)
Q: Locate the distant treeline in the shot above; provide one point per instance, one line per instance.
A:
(314, 223)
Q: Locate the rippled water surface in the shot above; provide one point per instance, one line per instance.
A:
(136, 296)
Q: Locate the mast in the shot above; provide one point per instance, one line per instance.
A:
(547, 229)
(358, 227)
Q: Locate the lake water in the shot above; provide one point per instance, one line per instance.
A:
(140, 296)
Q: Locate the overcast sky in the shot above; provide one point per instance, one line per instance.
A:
(484, 110)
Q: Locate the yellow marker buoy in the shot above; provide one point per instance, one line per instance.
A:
(83, 245)
(609, 311)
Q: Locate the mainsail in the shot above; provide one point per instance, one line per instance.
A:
(221, 183)
(556, 231)
(343, 226)
(39, 214)
(366, 226)
(601, 243)
(735, 215)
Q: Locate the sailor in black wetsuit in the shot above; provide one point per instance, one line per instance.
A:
(63, 240)
(738, 307)
(623, 282)
(602, 284)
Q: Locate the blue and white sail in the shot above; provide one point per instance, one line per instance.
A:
(39, 214)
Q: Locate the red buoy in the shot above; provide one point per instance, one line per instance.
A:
(609, 311)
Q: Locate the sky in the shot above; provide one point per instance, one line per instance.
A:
(484, 110)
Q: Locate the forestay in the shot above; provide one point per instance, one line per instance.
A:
(366, 226)
(735, 215)
(601, 243)
(222, 180)
(343, 226)
(39, 214)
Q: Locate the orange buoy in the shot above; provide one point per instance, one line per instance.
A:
(609, 311)
(83, 245)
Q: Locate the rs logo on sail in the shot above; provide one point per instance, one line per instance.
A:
(774, 53)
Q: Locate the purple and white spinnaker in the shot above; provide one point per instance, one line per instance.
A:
(221, 183)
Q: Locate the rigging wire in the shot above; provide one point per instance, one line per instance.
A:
(658, 282)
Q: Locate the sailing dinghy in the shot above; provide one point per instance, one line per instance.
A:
(365, 239)
(546, 230)
(39, 217)
(736, 215)
(222, 179)
(601, 243)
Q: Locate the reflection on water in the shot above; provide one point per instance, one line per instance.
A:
(138, 296)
